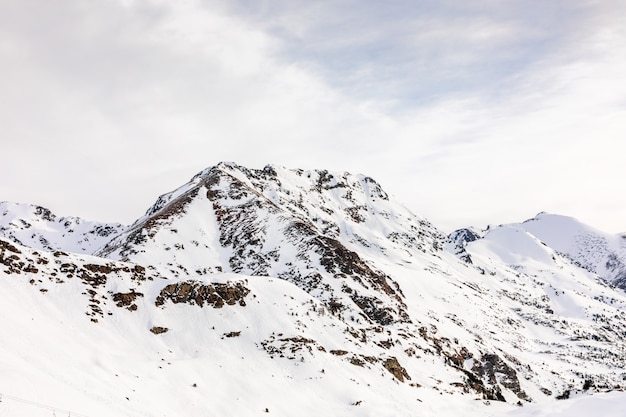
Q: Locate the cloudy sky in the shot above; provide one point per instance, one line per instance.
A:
(470, 112)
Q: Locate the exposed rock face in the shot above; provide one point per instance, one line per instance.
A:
(4, 245)
(196, 293)
(495, 372)
(127, 299)
(393, 366)
(9, 257)
(159, 329)
(458, 240)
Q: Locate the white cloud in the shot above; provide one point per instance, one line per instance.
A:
(554, 143)
(472, 114)
(159, 90)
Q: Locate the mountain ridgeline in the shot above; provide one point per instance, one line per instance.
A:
(310, 280)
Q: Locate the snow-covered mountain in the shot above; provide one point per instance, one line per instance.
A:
(288, 291)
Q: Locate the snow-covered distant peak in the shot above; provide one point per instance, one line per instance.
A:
(558, 231)
(544, 237)
(596, 251)
(39, 228)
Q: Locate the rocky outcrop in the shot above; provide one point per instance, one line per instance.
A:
(197, 293)
(458, 240)
(127, 299)
(494, 371)
(394, 367)
(159, 329)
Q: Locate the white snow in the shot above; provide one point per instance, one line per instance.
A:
(602, 404)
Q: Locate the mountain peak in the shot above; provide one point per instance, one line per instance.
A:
(596, 251)
(251, 221)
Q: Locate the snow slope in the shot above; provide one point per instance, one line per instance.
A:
(237, 359)
(604, 404)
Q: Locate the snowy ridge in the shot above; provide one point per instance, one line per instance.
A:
(596, 251)
(261, 291)
(38, 227)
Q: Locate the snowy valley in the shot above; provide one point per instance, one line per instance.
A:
(290, 292)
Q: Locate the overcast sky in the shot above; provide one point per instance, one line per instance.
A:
(469, 112)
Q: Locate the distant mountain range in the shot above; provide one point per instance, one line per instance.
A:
(290, 292)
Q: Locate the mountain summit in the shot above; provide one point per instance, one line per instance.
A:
(244, 285)
(313, 229)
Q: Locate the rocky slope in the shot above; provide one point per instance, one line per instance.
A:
(319, 285)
